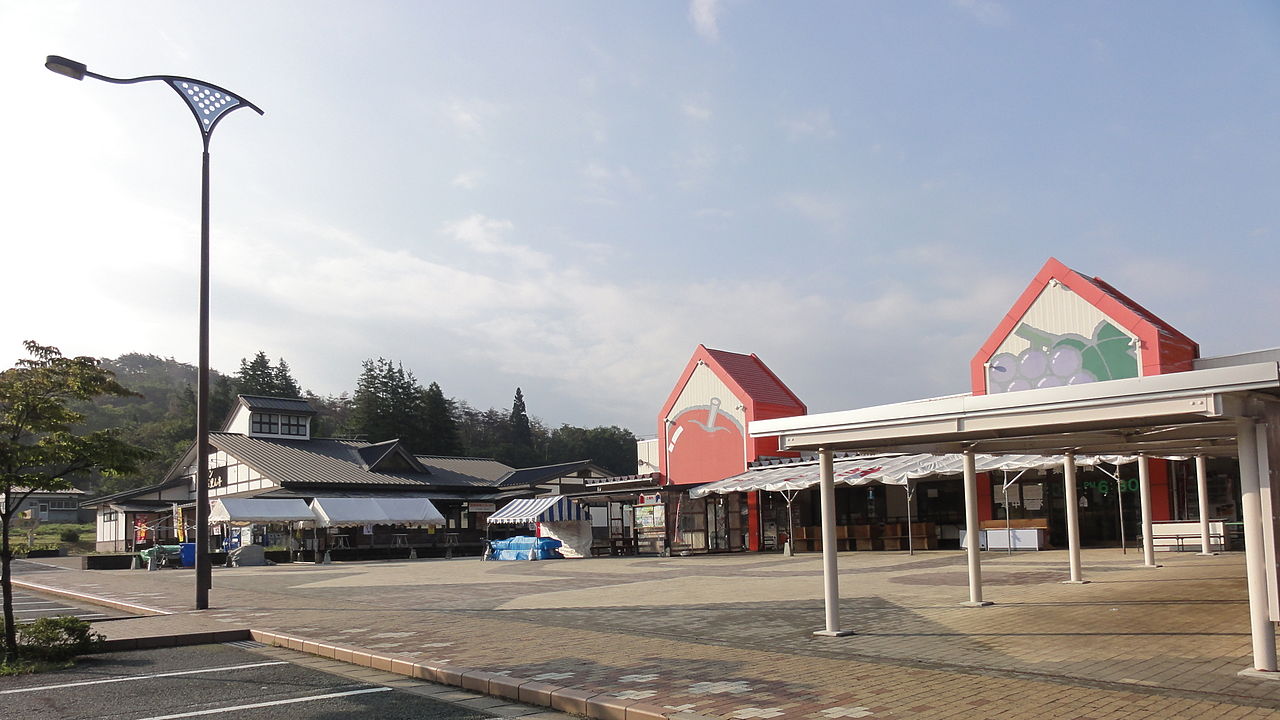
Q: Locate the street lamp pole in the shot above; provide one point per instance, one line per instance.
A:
(209, 104)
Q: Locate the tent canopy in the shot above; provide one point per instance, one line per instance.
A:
(259, 510)
(347, 512)
(890, 470)
(551, 508)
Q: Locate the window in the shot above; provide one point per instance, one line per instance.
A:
(293, 425)
(62, 504)
(274, 424)
(266, 423)
(109, 516)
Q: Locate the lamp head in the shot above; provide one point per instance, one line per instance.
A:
(63, 66)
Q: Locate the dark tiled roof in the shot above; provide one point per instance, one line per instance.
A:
(332, 462)
(547, 473)
(483, 472)
(312, 462)
(754, 378)
(297, 406)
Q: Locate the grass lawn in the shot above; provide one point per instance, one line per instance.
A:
(50, 535)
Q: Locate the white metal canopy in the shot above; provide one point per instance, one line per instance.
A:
(1228, 410)
(248, 510)
(347, 512)
(889, 470)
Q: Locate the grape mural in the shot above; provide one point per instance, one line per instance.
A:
(1057, 360)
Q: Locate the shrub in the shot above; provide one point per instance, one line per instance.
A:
(58, 638)
(69, 535)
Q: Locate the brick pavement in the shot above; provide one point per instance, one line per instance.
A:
(730, 636)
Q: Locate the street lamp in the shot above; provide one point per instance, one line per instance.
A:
(209, 104)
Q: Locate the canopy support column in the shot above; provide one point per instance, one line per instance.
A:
(1202, 500)
(1144, 492)
(1073, 516)
(830, 572)
(971, 530)
(1264, 638)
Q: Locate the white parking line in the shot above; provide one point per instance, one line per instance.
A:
(326, 696)
(143, 677)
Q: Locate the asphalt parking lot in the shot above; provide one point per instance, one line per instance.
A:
(232, 681)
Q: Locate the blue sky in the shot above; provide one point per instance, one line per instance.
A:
(570, 196)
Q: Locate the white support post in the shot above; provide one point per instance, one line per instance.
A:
(1144, 492)
(971, 530)
(1264, 638)
(1202, 500)
(1073, 516)
(830, 572)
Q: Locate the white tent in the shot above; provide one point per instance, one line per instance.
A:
(348, 512)
(259, 510)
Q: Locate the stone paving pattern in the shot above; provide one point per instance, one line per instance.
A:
(730, 636)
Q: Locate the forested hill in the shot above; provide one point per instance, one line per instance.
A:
(388, 402)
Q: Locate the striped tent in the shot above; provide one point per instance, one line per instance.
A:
(551, 508)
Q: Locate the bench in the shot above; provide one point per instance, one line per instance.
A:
(1173, 536)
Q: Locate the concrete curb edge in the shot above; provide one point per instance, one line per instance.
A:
(587, 703)
(94, 599)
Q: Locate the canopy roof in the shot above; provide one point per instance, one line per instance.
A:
(550, 508)
(346, 512)
(259, 510)
(889, 470)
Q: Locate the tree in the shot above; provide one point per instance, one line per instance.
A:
(39, 448)
(259, 377)
(389, 404)
(521, 431)
(441, 426)
(256, 377)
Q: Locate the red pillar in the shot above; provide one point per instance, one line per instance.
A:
(986, 511)
(755, 539)
(1161, 499)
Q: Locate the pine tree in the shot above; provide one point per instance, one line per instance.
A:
(389, 404)
(256, 377)
(285, 385)
(521, 432)
(440, 425)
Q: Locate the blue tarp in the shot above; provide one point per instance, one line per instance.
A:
(518, 548)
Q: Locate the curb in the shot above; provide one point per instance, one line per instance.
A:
(576, 701)
(175, 640)
(95, 599)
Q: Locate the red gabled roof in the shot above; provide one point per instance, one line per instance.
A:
(746, 375)
(755, 378)
(1167, 349)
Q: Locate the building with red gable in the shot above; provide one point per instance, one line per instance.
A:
(702, 437)
(1066, 329)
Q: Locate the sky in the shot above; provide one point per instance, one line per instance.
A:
(569, 197)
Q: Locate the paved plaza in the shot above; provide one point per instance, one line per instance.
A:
(731, 636)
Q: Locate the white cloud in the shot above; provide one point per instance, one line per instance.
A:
(467, 180)
(820, 209)
(487, 237)
(696, 111)
(705, 16)
(604, 183)
(812, 124)
(987, 12)
(469, 117)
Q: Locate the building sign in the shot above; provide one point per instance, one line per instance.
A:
(649, 499)
(651, 517)
(482, 507)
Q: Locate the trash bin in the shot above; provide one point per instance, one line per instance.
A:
(188, 554)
